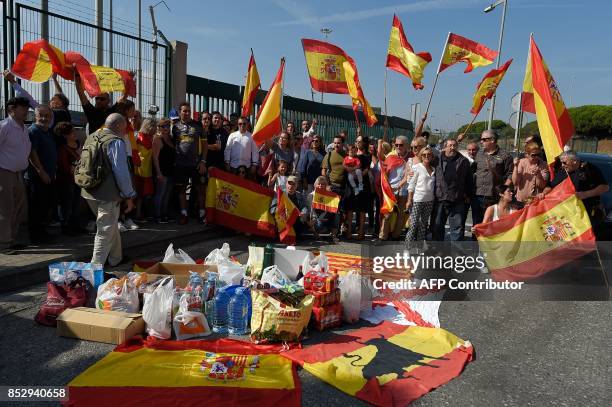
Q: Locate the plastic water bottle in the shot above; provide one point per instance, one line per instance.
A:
(239, 312)
(209, 294)
(222, 300)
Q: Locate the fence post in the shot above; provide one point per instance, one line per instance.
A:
(179, 72)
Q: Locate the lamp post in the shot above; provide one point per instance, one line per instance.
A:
(499, 49)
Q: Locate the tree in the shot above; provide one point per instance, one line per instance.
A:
(478, 127)
(589, 120)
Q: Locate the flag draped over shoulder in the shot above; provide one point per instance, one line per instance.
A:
(539, 238)
(325, 200)
(286, 215)
(163, 373)
(487, 86)
(388, 364)
(554, 122)
(388, 197)
(325, 66)
(269, 122)
(356, 91)
(250, 87)
(459, 49)
(239, 204)
(402, 58)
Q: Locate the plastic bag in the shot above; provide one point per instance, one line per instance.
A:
(219, 256)
(157, 309)
(231, 273)
(177, 258)
(255, 262)
(273, 276)
(93, 272)
(118, 295)
(315, 263)
(274, 321)
(350, 296)
(189, 324)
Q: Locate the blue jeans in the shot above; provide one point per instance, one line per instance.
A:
(163, 188)
(455, 213)
(479, 207)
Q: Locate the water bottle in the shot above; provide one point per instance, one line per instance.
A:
(209, 294)
(222, 300)
(238, 312)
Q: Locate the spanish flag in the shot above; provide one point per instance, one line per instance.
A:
(539, 238)
(100, 79)
(388, 364)
(286, 215)
(325, 200)
(459, 49)
(402, 58)
(325, 66)
(487, 87)
(250, 87)
(239, 204)
(38, 59)
(388, 197)
(356, 91)
(554, 121)
(269, 122)
(164, 373)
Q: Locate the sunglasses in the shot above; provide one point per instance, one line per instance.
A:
(485, 139)
(533, 155)
(240, 124)
(316, 140)
(399, 145)
(414, 147)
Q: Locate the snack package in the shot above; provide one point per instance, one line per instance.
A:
(118, 295)
(189, 324)
(320, 281)
(327, 317)
(273, 321)
(275, 277)
(324, 299)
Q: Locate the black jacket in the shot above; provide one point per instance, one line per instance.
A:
(454, 180)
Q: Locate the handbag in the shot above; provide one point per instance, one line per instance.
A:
(60, 297)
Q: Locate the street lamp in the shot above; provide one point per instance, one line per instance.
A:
(326, 32)
(499, 48)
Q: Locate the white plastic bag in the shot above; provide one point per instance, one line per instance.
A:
(350, 296)
(177, 258)
(231, 273)
(219, 256)
(189, 324)
(273, 276)
(157, 309)
(118, 295)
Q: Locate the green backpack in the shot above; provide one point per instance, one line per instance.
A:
(93, 165)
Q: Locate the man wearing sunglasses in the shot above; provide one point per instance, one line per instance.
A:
(241, 150)
(493, 168)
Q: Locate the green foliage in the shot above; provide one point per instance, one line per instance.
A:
(589, 120)
(479, 127)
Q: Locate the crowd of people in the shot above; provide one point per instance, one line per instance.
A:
(145, 160)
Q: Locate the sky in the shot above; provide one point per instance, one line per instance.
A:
(573, 36)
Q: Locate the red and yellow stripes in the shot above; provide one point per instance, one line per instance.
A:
(402, 58)
(325, 66)
(286, 215)
(269, 122)
(356, 91)
(539, 238)
(487, 86)
(459, 49)
(38, 59)
(389, 201)
(250, 87)
(325, 200)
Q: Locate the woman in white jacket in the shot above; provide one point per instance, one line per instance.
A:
(421, 195)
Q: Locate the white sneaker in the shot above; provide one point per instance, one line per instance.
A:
(122, 228)
(129, 224)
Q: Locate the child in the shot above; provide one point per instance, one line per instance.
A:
(280, 178)
(69, 193)
(352, 164)
(242, 172)
(319, 220)
(143, 178)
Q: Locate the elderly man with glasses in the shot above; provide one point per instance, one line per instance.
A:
(493, 167)
(241, 150)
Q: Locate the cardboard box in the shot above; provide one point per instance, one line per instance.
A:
(324, 299)
(327, 317)
(179, 271)
(99, 325)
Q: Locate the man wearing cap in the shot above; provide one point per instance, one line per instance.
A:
(15, 149)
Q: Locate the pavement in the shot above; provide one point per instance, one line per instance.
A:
(528, 352)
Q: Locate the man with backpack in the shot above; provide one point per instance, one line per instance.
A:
(105, 179)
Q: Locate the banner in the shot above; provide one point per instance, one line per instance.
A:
(325, 200)
(239, 204)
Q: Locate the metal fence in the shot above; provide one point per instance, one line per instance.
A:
(581, 144)
(209, 95)
(22, 23)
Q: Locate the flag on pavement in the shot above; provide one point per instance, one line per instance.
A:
(459, 49)
(487, 86)
(250, 87)
(268, 122)
(538, 238)
(286, 215)
(402, 58)
(388, 364)
(325, 200)
(554, 122)
(99, 79)
(162, 373)
(324, 62)
(356, 91)
(38, 59)
(239, 204)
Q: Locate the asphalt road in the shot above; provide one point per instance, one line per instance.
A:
(527, 352)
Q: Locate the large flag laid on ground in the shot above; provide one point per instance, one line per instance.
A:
(250, 87)
(164, 373)
(402, 58)
(356, 91)
(239, 204)
(554, 121)
(487, 87)
(539, 238)
(324, 62)
(388, 364)
(286, 215)
(459, 49)
(325, 200)
(269, 122)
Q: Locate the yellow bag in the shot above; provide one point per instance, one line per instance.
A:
(273, 321)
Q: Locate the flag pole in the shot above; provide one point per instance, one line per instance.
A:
(386, 123)
(519, 120)
(470, 125)
(433, 88)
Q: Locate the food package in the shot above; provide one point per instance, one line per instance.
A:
(275, 277)
(324, 299)
(320, 281)
(327, 317)
(92, 272)
(189, 324)
(118, 295)
(273, 321)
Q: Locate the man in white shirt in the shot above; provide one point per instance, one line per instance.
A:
(241, 150)
(308, 131)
